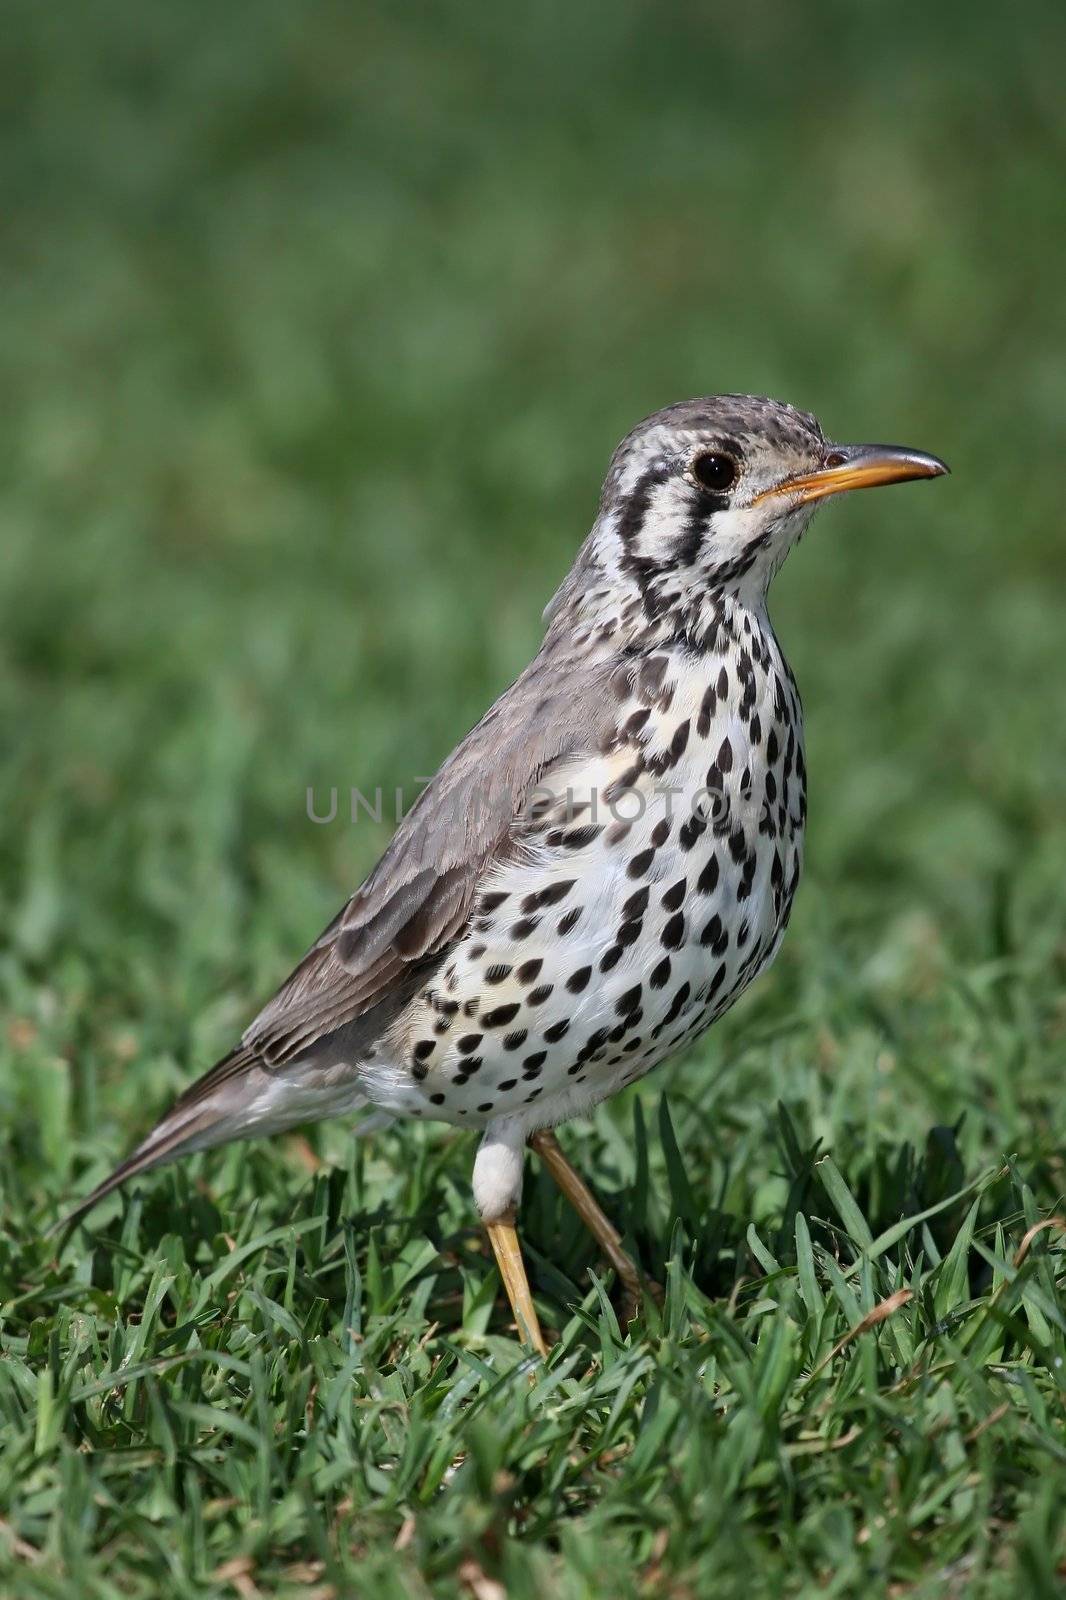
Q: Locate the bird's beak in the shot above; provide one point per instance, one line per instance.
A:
(857, 466)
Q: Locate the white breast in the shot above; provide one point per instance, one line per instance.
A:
(649, 886)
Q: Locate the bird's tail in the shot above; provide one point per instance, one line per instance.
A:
(152, 1153)
(238, 1098)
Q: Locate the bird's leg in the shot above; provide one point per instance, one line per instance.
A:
(592, 1215)
(503, 1236)
(497, 1191)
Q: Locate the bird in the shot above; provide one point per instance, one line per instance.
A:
(605, 862)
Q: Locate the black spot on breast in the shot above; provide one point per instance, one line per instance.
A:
(677, 1005)
(709, 641)
(532, 1064)
(675, 894)
(570, 920)
(660, 975)
(660, 833)
(552, 894)
(706, 711)
(707, 881)
(679, 742)
(424, 1049)
(523, 928)
(515, 1041)
(578, 838)
(639, 864)
(636, 905)
(499, 1017)
(691, 830)
(579, 980)
(496, 974)
(629, 1001)
(674, 932)
(529, 970)
(537, 997)
(624, 783)
(611, 958)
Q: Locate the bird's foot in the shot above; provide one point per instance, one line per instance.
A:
(634, 1284)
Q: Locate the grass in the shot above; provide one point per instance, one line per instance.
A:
(321, 327)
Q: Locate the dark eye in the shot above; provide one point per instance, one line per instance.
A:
(715, 471)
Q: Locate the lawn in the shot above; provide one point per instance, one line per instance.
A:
(319, 326)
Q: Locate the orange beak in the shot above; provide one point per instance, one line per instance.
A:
(857, 466)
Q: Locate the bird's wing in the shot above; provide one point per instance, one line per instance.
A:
(416, 901)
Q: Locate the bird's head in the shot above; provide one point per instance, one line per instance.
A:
(706, 498)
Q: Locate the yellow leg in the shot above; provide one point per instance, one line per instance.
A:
(503, 1236)
(595, 1219)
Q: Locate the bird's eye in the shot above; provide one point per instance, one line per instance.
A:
(715, 471)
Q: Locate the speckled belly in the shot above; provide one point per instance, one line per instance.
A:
(653, 884)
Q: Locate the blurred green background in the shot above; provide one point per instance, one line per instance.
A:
(319, 324)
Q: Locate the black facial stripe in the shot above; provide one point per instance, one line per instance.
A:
(636, 507)
(642, 568)
(709, 502)
(688, 545)
(658, 596)
(703, 507)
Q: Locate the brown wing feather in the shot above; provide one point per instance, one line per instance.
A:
(416, 901)
(414, 904)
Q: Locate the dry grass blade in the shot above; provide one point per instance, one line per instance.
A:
(1057, 1223)
(478, 1582)
(873, 1318)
